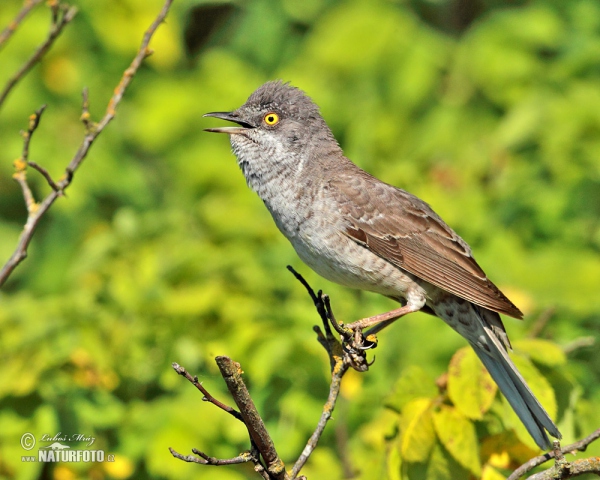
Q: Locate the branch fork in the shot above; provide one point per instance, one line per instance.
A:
(61, 16)
(349, 352)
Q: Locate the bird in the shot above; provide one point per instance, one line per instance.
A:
(358, 231)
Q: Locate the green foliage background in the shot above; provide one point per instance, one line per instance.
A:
(160, 253)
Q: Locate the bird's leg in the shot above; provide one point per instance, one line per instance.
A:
(379, 321)
(387, 317)
(379, 327)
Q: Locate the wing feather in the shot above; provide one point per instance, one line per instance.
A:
(405, 231)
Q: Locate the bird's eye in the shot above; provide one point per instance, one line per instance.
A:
(271, 119)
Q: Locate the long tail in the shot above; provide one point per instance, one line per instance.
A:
(513, 386)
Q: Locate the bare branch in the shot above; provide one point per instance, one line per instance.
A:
(581, 446)
(337, 373)
(260, 441)
(207, 396)
(28, 5)
(231, 373)
(541, 321)
(342, 356)
(339, 361)
(21, 164)
(61, 16)
(119, 91)
(45, 174)
(204, 459)
(581, 342)
(573, 469)
(92, 132)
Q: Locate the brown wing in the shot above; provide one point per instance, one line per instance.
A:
(405, 231)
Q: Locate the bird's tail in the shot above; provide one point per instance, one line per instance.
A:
(515, 389)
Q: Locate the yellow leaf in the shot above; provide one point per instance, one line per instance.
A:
(417, 435)
(470, 386)
(490, 473)
(394, 465)
(414, 382)
(457, 434)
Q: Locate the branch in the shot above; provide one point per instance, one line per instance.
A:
(207, 396)
(558, 452)
(231, 372)
(21, 163)
(261, 442)
(353, 345)
(342, 356)
(92, 132)
(28, 5)
(540, 322)
(578, 343)
(61, 16)
(570, 469)
(340, 360)
(337, 373)
(204, 459)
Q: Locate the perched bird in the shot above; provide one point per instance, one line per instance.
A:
(358, 231)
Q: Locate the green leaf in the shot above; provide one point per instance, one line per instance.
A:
(541, 351)
(470, 386)
(417, 434)
(442, 466)
(457, 434)
(413, 383)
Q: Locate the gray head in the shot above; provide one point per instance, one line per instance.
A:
(279, 129)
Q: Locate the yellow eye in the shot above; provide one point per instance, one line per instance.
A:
(271, 119)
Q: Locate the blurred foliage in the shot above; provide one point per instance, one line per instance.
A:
(462, 431)
(488, 110)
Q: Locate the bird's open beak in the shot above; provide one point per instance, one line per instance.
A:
(230, 117)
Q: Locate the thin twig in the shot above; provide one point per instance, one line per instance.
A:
(231, 373)
(207, 396)
(204, 459)
(581, 445)
(34, 121)
(21, 163)
(339, 366)
(337, 373)
(334, 323)
(5, 35)
(540, 322)
(91, 134)
(58, 24)
(317, 299)
(327, 340)
(578, 343)
(254, 454)
(45, 174)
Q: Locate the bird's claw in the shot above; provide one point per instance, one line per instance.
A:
(355, 345)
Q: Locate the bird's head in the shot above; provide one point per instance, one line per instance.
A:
(279, 126)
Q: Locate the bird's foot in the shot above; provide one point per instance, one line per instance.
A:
(355, 345)
(361, 341)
